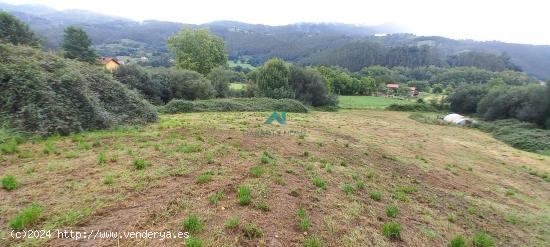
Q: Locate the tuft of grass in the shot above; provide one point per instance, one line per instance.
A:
(9, 182)
(266, 158)
(252, 231)
(101, 159)
(458, 241)
(343, 163)
(348, 189)
(392, 211)
(320, 183)
(257, 171)
(232, 222)
(313, 241)
(204, 178)
(192, 224)
(140, 164)
(392, 230)
(482, 239)
(109, 180)
(303, 219)
(193, 242)
(216, 197)
(114, 158)
(243, 195)
(264, 206)
(50, 148)
(360, 185)
(26, 218)
(451, 217)
(376, 195)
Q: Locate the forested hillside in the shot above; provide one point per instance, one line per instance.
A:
(306, 43)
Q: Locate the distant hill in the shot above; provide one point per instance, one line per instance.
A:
(307, 43)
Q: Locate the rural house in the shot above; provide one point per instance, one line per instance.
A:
(111, 64)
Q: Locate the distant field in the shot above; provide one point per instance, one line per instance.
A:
(233, 64)
(237, 86)
(371, 102)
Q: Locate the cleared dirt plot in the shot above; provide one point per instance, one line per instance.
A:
(348, 178)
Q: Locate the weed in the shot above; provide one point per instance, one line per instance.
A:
(192, 224)
(232, 222)
(458, 241)
(72, 154)
(360, 185)
(252, 231)
(510, 193)
(392, 230)
(114, 158)
(343, 163)
(472, 210)
(204, 178)
(28, 217)
(264, 206)
(193, 242)
(451, 217)
(370, 174)
(140, 164)
(216, 197)
(482, 239)
(101, 159)
(109, 180)
(303, 219)
(309, 167)
(257, 171)
(9, 182)
(306, 154)
(50, 148)
(313, 241)
(376, 195)
(266, 158)
(320, 183)
(328, 168)
(348, 189)
(392, 211)
(188, 148)
(243, 195)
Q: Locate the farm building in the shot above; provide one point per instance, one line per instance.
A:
(111, 64)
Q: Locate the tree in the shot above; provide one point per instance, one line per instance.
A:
(16, 32)
(466, 97)
(309, 86)
(197, 50)
(272, 79)
(220, 79)
(77, 45)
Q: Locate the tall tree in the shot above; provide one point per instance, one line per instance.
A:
(273, 78)
(77, 45)
(197, 50)
(16, 32)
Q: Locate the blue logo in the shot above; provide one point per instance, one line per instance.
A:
(275, 116)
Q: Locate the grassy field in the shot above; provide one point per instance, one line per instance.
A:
(348, 178)
(233, 64)
(237, 86)
(368, 102)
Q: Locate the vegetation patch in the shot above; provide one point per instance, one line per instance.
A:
(234, 105)
(392, 230)
(26, 218)
(9, 182)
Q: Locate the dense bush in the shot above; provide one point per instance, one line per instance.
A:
(162, 84)
(44, 94)
(235, 105)
(526, 103)
(309, 87)
(521, 135)
(466, 97)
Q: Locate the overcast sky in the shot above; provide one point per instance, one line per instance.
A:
(525, 21)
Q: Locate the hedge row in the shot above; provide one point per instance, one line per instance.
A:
(234, 105)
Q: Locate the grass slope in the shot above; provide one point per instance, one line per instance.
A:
(368, 102)
(204, 173)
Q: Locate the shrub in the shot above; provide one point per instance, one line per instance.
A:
(243, 195)
(27, 218)
(140, 164)
(392, 211)
(376, 195)
(44, 94)
(9, 182)
(192, 224)
(482, 239)
(521, 135)
(234, 105)
(458, 241)
(392, 230)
